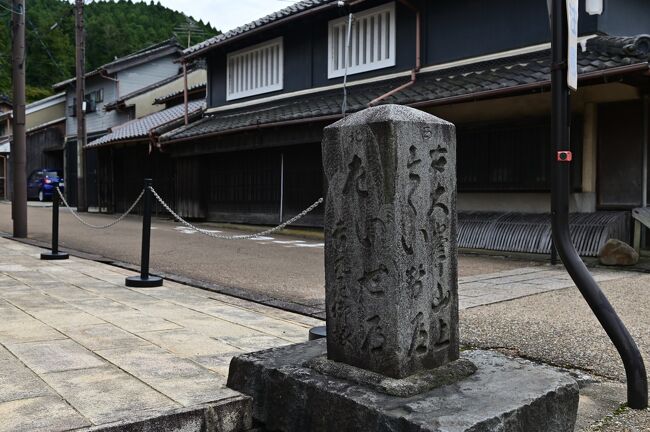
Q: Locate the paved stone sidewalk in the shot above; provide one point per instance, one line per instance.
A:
(78, 349)
(480, 290)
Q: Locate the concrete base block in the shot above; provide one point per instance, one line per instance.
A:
(503, 395)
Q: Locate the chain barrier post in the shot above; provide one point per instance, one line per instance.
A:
(319, 332)
(145, 280)
(55, 254)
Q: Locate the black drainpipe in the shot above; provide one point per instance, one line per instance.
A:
(637, 381)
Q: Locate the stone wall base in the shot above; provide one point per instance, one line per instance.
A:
(503, 395)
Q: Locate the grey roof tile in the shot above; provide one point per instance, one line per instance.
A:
(172, 95)
(141, 127)
(275, 16)
(118, 62)
(602, 53)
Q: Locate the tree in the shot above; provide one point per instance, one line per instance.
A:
(113, 28)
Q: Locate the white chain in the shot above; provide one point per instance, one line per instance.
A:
(235, 237)
(108, 225)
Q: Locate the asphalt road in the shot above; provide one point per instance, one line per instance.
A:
(286, 268)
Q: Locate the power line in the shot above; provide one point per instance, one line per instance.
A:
(11, 9)
(47, 50)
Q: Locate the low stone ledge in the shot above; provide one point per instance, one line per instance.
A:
(228, 415)
(504, 395)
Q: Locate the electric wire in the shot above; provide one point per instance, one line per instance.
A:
(11, 9)
(47, 50)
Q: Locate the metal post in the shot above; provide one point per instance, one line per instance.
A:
(145, 280)
(637, 382)
(553, 254)
(319, 332)
(281, 187)
(55, 254)
(18, 148)
(185, 95)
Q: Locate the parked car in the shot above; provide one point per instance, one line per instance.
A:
(40, 183)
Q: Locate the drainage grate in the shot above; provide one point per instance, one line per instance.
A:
(531, 233)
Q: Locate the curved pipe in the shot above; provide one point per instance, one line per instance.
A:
(637, 381)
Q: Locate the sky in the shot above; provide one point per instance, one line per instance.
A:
(226, 14)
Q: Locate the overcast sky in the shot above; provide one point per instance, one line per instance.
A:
(226, 14)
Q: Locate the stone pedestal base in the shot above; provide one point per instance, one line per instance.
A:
(502, 395)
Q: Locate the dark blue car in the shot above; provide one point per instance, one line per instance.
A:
(40, 183)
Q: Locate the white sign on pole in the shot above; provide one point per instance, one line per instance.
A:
(572, 67)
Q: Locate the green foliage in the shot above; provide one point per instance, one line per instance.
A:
(113, 29)
(35, 93)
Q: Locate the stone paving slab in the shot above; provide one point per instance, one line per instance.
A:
(108, 394)
(19, 382)
(55, 356)
(40, 414)
(80, 351)
(180, 379)
(489, 288)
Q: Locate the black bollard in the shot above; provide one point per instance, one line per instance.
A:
(553, 254)
(319, 332)
(55, 254)
(145, 280)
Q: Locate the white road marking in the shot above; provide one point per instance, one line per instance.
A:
(310, 245)
(186, 230)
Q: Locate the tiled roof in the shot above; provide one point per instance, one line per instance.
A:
(116, 103)
(152, 50)
(167, 97)
(444, 86)
(140, 128)
(298, 7)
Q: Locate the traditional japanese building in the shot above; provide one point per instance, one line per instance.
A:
(275, 83)
(106, 86)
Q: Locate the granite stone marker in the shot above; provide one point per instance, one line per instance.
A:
(391, 359)
(390, 241)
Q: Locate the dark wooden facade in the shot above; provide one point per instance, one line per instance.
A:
(269, 174)
(45, 147)
(121, 173)
(265, 186)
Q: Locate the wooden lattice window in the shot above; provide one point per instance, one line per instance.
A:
(372, 42)
(255, 70)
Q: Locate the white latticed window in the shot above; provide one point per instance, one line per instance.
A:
(372, 42)
(255, 70)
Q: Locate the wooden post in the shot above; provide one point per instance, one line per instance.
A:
(18, 149)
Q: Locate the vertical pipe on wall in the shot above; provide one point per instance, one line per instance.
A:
(646, 119)
(185, 96)
(281, 186)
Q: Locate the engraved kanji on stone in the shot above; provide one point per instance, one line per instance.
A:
(390, 224)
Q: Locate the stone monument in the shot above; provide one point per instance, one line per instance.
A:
(390, 241)
(391, 361)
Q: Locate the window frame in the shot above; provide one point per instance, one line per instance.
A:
(352, 70)
(279, 41)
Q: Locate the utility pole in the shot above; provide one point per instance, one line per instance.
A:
(80, 37)
(18, 148)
